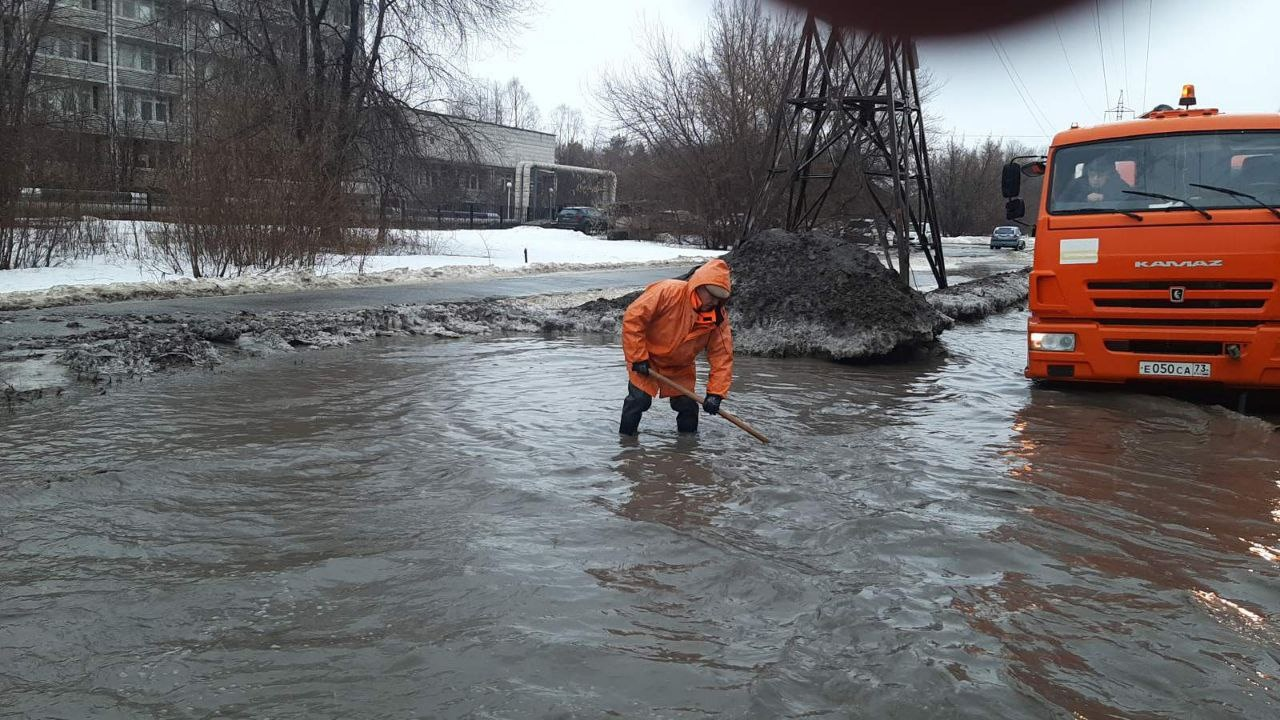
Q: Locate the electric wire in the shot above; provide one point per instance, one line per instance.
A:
(1061, 43)
(1146, 65)
(1013, 66)
(1102, 55)
(1124, 47)
(1020, 87)
(1017, 89)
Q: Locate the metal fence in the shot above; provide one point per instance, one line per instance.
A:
(158, 206)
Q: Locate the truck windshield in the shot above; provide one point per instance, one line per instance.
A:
(1092, 177)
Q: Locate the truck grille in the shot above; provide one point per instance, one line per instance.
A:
(1166, 347)
(1177, 322)
(1188, 284)
(1154, 303)
(1199, 294)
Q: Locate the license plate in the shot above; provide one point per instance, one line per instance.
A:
(1173, 369)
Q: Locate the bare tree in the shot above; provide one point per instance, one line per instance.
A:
(37, 117)
(310, 109)
(704, 117)
(522, 112)
(567, 124)
(23, 27)
(329, 62)
(506, 103)
(966, 181)
(485, 101)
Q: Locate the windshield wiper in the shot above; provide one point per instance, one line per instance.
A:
(1093, 210)
(1237, 193)
(1202, 211)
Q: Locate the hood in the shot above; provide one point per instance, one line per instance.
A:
(714, 272)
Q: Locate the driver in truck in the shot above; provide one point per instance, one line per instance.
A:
(1101, 182)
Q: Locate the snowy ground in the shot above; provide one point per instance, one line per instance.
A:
(134, 272)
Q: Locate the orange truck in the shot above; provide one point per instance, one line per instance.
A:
(1157, 250)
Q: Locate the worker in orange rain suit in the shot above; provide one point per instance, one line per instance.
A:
(665, 329)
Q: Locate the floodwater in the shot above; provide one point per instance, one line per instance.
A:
(454, 530)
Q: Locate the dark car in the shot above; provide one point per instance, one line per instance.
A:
(583, 219)
(1008, 236)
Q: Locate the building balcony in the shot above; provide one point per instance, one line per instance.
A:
(71, 69)
(147, 130)
(149, 80)
(90, 123)
(98, 123)
(79, 18)
(154, 31)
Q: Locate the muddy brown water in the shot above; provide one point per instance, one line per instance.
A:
(453, 530)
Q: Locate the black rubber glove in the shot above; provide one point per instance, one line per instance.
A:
(641, 367)
(712, 404)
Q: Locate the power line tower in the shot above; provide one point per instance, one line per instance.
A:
(851, 106)
(1119, 112)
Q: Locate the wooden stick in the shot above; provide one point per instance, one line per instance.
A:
(694, 396)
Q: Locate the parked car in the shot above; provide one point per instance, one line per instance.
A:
(583, 219)
(1008, 236)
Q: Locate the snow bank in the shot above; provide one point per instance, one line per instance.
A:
(457, 254)
(979, 298)
(814, 295)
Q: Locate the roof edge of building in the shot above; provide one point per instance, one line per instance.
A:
(434, 113)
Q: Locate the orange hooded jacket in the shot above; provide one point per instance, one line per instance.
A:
(663, 327)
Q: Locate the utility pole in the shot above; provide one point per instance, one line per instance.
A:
(851, 106)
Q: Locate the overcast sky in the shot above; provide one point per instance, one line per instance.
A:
(1228, 48)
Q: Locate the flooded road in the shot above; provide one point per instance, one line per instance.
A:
(453, 529)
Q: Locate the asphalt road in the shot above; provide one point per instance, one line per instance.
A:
(28, 323)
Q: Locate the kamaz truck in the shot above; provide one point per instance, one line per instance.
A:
(1157, 250)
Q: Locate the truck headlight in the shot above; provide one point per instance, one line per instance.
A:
(1053, 342)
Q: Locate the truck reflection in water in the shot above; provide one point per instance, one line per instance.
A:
(1156, 525)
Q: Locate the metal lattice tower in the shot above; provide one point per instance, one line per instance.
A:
(851, 106)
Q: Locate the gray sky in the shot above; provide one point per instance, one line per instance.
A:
(1227, 48)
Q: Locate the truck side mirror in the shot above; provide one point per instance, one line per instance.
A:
(1034, 169)
(1011, 180)
(1014, 209)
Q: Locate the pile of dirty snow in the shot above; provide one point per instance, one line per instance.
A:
(809, 294)
(983, 297)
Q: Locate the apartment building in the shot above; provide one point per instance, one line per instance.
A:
(113, 72)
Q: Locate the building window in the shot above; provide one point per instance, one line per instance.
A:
(140, 10)
(141, 57)
(473, 182)
(147, 108)
(90, 5)
(78, 46)
(74, 100)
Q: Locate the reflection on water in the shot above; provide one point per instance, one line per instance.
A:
(453, 529)
(1151, 514)
(675, 486)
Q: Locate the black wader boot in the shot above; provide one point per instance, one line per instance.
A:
(686, 414)
(632, 408)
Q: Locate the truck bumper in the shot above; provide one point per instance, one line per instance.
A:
(1103, 354)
